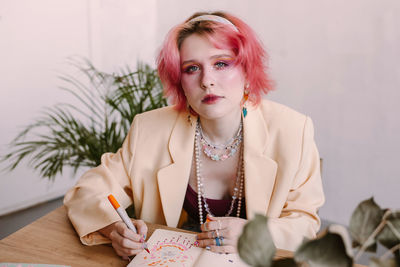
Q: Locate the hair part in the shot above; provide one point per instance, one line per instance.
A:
(243, 43)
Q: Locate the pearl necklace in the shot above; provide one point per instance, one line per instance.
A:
(237, 191)
(228, 149)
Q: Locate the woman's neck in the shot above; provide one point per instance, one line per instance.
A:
(219, 131)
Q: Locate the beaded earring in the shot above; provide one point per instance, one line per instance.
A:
(244, 100)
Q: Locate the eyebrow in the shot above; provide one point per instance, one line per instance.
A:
(212, 57)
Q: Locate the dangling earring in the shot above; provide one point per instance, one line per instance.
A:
(189, 117)
(244, 100)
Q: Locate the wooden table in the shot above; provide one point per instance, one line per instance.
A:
(52, 240)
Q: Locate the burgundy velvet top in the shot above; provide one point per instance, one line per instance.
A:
(218, 207)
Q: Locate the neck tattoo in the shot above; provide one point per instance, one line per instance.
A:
(237, 191)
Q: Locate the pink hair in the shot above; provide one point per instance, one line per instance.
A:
(244, 44)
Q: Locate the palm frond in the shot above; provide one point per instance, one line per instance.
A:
(76, 136)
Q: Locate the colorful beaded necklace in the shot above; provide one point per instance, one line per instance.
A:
(224, 151)
(238, 189)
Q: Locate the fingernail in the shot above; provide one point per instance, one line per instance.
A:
(208, 248)
(196, 244)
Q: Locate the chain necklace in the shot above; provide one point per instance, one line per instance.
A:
(221, 152)
(237, 191)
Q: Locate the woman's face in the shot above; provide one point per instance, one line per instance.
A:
(212, 83)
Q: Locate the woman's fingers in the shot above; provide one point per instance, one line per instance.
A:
(124, 231)
(141, 227)
(125, 241)
(223, 241)
(216, 233)
(124, 252)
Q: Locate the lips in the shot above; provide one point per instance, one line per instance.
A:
(210, 99)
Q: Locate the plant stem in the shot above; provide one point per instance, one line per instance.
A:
(373, 235)
(397, 234)
(390, 251)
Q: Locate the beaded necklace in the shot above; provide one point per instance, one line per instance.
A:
(221, 152)
(238, 189)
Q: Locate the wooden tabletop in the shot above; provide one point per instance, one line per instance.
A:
(53, 240)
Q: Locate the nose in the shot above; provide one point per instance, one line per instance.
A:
(207, 79)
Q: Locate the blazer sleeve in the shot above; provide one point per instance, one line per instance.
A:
(87, 205)
(299, 217)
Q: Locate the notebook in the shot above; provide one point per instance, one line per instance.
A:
(171, 248)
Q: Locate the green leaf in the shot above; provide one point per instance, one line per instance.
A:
(326, 251)
(76, 136)
(375, 262)
(390, 235)
(255, 244)
(344, 234)
(286, 262)
(364, 220)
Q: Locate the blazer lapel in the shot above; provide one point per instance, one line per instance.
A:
(260, 170)
(173, 179)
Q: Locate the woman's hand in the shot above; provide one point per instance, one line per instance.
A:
(124, 241)
(227, 229)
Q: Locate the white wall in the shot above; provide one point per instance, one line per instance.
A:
(337, 61)
(36, 38)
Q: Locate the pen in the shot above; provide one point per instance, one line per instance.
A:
(125, 218)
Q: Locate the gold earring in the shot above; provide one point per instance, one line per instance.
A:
(189, 117)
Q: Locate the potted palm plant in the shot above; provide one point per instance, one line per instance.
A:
(76, 136)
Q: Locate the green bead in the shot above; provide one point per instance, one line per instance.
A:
(244, 112)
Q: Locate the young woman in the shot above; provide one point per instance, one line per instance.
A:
(219, 151)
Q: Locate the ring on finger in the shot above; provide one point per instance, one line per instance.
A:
(213, 234)
(217, 241)
(216, 232)
(221, 239)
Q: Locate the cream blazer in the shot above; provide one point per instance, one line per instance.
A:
(151, 170)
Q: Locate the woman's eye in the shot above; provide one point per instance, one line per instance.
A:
(221, 64)
(191, 69)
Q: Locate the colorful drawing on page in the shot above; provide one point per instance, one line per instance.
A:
(168, 251)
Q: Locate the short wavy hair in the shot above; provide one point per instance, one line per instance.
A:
(243, 42)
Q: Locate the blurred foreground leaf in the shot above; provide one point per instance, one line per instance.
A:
(364, 220)
(326, 251)
(389, 237)
(255, 244)
(390, 234)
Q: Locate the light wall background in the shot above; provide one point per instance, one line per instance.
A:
(336, 61)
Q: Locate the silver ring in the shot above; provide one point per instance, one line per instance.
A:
(221, 239)
(213, 234)
(216, 232)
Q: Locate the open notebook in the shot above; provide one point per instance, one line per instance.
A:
(171, 248)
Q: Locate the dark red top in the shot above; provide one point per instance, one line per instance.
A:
(218, 207)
